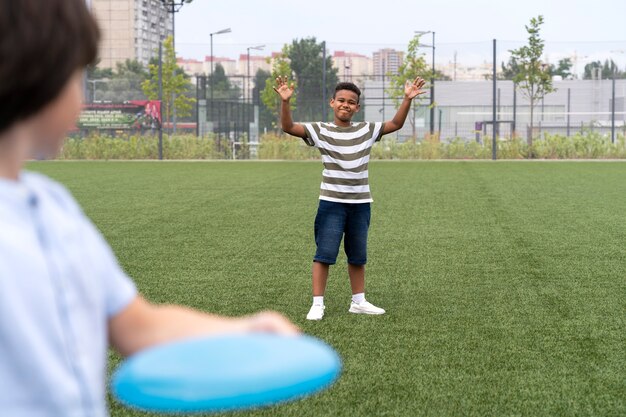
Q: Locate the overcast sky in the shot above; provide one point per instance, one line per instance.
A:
(591, 29)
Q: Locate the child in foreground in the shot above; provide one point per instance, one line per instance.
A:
(63, 297)
(344, 206)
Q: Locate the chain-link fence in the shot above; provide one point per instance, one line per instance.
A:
(236, 115)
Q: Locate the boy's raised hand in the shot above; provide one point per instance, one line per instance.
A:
(284, 88)
(414, 89)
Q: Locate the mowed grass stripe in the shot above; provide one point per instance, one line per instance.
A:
(504, 283)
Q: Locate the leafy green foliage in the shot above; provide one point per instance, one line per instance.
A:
(117, 85)
(563, 69)
(533, 77)
(176, 84)
(101, 147)
(605, 70)
(413, 66)
(266, 118)
(307, 62)
(280, 68)
(588, 145)
(509, 70)
(223, 89)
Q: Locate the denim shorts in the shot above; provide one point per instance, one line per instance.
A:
(336, 220)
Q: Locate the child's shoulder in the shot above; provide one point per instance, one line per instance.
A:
(39, 181)
(45, 186)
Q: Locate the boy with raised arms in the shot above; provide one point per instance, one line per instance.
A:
(344, 203)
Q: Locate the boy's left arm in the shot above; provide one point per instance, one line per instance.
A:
(411, 90)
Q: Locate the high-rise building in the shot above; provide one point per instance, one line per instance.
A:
(387, 61)
(131, 29)
(352, 66)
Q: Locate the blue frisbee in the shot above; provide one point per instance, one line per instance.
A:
(225, 373)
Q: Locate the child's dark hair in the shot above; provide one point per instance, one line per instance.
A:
(348, 86)
(42, 44)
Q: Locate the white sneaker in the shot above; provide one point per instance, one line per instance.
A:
(365, 308)
(316, 312)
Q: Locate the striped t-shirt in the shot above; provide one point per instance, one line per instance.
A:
(345, 154)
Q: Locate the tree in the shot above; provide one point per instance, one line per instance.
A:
(117, 85)
(280, 68)
(223, 89)
(126, 82)
(605, 71)
(266, 118)
(175, 84)
(307, 63)
(509, 71)
(563, 69)
(413, 66)
(129, 68)
(533, 78)
(94, 72)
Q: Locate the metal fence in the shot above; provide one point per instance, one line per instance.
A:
(462, 110)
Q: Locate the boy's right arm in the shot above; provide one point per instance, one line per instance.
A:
(141, 325)
(285, 91)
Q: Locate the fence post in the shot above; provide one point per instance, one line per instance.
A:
(197, 105)
(161, 99)
(382, 72)
(613, 108)
(439, 130)
(569, 108)
(514, 127)
(499, 111)
(494, 154)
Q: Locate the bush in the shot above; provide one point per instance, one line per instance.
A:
(144, 147)
(588, 145)
(274, 146)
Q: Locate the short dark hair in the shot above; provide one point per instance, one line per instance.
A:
(348, 86)
(42, 44)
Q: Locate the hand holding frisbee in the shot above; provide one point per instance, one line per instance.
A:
(223, 373)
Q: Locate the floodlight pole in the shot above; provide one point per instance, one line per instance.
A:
(172, 7)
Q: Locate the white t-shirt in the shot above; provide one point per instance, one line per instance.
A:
(59, 285)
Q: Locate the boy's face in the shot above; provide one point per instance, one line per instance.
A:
(50, 125)
(345, 104)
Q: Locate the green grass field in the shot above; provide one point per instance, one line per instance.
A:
(504, 283)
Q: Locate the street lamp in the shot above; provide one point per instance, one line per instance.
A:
(219, 32)
(93, 83)
(432, 80)
(248, 92)
(172, 7)
(256, 48)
